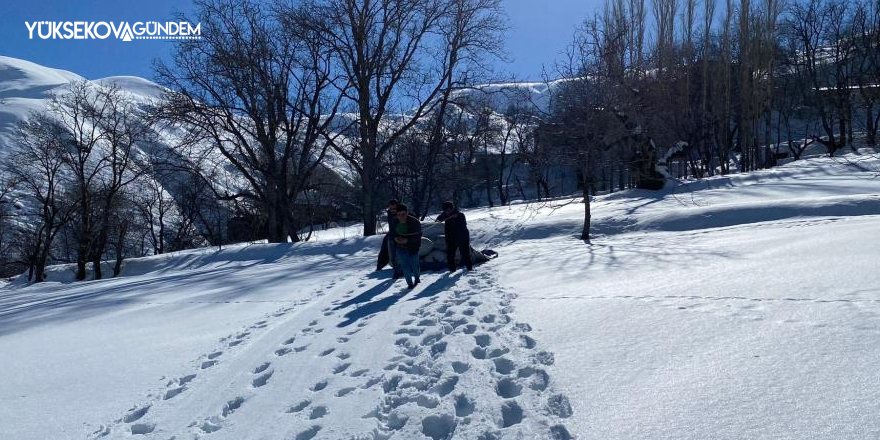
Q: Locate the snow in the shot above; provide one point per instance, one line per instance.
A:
(743, 306)
(735, 307)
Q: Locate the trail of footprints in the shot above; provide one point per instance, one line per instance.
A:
(451, 383)
(133, 421)
(426, 374)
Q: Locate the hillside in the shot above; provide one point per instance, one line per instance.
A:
(735, 307)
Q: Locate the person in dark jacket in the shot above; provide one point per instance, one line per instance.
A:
(386, 254)
(407, 236)
(457, 236)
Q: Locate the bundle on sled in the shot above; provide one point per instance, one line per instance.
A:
(432, 252)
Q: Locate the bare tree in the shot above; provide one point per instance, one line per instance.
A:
(7, 227)
(79, 108)
(824, 57)
(36, 164)
(257, 88)
(598, 109)
(126, 132)
(399, 57)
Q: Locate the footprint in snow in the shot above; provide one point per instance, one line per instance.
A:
(319, 386)
(183, 380)
(559, 406)
(460, 367)
(522, 327)
(344, 391)
(231, 406)
(318, 412)
(262, 379)
(438, 427)
(299, 406)
(308, 434)
(341, 368)
(142, 428)
(410, 331)
(483, 340)
(544, 358)
(136, 414)
(359, 373)
(527, 342)
(445, 386)
(282, 351)
(497, 352)
(508, 388)
(511, 414)
(174, 392)
(504, 366)
(431, 339)
(464, 406)
(372, 382)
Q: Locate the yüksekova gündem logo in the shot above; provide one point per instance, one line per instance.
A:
(102, 30)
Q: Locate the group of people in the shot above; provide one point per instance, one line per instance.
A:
(404, 238)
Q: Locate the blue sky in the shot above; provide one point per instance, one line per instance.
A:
(539, 32)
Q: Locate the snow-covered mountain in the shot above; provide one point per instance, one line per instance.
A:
(743, 306)
(26, 87)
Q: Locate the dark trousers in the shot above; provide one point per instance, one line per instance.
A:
(464, 248)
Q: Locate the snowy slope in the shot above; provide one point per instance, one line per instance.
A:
(23, 88)
(738, 307)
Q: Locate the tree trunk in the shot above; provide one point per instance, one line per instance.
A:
(871, 130)
(369, 207)
(96, 267)
(40, 267)
(81, 260)
(120, 249)
(585, 233)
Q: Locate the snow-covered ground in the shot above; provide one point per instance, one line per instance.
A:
(736, 307)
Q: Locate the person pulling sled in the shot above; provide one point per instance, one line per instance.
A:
(457, 236)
